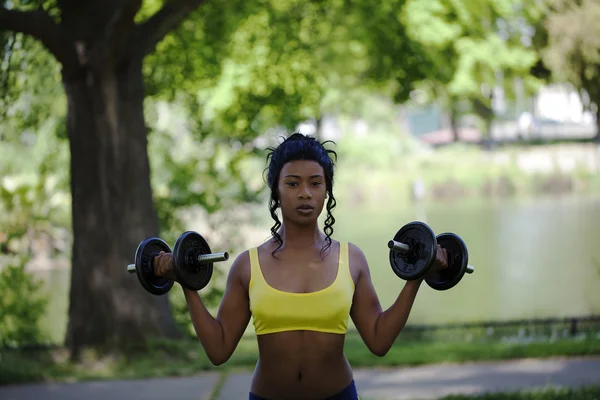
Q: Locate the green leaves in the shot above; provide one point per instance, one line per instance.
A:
(30, 90)
(249, 67)
(573, 49)
(473, 46)
(22, 307)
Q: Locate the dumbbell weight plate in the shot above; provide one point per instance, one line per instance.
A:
(189, 272)
(458, 259)
(144, 254)
(422, 242)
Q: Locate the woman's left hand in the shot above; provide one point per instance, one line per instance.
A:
(441, 259)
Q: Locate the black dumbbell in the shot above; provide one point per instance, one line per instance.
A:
(458, 263)
(192, 263)
(193, 260)
(413, 251)
(146, 251)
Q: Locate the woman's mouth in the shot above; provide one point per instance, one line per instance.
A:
(305, 208)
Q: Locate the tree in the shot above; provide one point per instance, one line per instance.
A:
(287, 61)
(473, 48)
(573, 48)
(240, 68)
(101, 50)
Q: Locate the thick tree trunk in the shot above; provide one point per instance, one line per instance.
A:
(112, 210)
(101, 49)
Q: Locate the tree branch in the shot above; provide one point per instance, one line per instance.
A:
(151, 32)
(41, 26)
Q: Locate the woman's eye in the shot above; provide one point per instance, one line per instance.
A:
(317, 183)
(291, 183)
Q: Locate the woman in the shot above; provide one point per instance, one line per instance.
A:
(301, 287)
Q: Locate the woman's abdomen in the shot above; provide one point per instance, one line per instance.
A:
(301, 365)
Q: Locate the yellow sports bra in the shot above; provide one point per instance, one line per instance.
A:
(325, 310)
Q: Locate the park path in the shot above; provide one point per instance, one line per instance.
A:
(406, 383)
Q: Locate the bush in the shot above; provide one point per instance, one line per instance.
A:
(21, 307)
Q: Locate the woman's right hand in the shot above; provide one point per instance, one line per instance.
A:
(163, 266)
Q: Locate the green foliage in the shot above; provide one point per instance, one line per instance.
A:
(573, 48)
(473, 48)
(546, 393)
(21, 307)
(31, 97)
(34, 195)
(245, 68)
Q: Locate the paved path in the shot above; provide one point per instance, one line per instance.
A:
(415, 383)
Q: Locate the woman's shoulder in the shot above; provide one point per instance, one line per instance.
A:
(242, 264)
(240, 267)
(356, 257)
(354, 250)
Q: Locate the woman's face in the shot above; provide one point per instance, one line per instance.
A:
(302, 189)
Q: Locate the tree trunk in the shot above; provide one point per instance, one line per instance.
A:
(454, 122)
(100, 48)
(597, 137)
(485, 112)
(112, 210)
(319, 128)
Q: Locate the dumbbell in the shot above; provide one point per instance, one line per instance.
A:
(192, 263)
(413, 251)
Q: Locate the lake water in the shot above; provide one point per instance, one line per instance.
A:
(533, 258)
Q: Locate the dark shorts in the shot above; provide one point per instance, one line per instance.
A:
(349, 393)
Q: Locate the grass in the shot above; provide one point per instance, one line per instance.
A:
(582, 393)
(186, 358)
(549, 393)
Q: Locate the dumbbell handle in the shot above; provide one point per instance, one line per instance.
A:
(404, 248)
(399, 246)
(213, 257)
(202, 259)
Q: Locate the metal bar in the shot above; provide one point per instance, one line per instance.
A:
(398, 246)
(131, 268)
(214, 257)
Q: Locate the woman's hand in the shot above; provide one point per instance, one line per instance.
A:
(163, 266)
(441, 259)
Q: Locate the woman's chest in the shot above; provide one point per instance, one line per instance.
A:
(300, 275)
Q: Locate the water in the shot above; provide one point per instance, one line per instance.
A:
(533, 258)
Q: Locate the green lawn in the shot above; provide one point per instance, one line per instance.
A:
(584, 393)
(187, 357)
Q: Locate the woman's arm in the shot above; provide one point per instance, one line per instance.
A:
(220, 336)
(379, 329)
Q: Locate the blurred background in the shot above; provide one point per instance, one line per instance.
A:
(128, 119)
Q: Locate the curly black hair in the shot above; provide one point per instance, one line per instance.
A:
(301, 147)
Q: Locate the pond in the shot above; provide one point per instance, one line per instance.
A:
(533, 258)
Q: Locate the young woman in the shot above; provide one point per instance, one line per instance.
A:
(301, 287)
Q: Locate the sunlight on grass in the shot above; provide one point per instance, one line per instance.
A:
(185, 358)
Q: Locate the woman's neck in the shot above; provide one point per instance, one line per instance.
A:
(301, 237)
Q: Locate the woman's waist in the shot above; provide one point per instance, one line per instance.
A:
(307, 378)
(302, 347)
